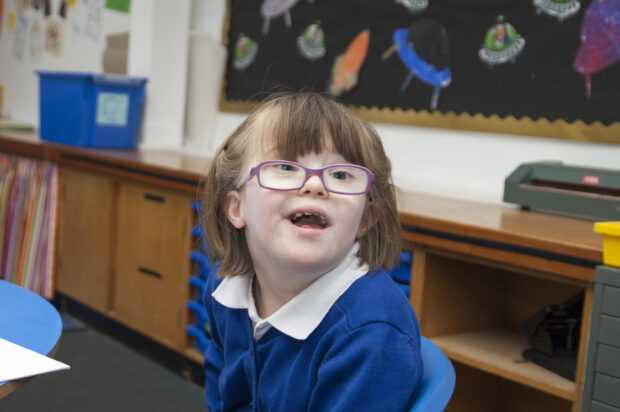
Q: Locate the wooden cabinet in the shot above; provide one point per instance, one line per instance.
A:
(152, 261)
(85, 237)
(475, 312)
(124, 250)
(479, 272)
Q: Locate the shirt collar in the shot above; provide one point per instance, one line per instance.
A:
(300, 316)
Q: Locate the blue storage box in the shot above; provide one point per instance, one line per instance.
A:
(86, 109)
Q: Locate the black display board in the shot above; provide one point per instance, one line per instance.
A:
(538, 93)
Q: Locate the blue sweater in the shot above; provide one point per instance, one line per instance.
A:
(363, 356)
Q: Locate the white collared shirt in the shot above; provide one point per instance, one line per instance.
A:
(300, 316)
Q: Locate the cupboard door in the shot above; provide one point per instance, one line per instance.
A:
(152, 261)
(85, 237)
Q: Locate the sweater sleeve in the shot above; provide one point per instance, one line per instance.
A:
(214, 356)
(374, 367)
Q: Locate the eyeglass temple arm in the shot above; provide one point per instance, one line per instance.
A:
(246, 178)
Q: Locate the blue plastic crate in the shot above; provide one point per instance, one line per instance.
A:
(201, 314)
(202, 261)
(201, 338)
(86, 109)
(198, 283)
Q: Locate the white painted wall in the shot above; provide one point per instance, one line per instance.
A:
(454, 163)
(158, 48)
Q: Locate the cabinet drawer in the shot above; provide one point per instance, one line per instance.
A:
(152, 266)
(611, 300)
(609, 330)
(606, 390)
(599, 407)
(608, 360)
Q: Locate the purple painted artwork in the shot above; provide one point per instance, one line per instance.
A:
(600, 39)
(275, 8)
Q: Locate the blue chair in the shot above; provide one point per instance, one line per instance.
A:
(438, 380)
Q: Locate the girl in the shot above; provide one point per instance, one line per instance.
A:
(300, 212)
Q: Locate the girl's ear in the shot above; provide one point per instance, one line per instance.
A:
(232, 207)
(369, 219)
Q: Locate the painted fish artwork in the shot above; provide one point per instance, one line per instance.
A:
(424, 49)
(414, 6)
(600, 39)
(501, 44)
(275, 8)
(347, 66)
(561, 9)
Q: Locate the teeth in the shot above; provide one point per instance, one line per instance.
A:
(298, 215)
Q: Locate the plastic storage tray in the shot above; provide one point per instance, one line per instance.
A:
(86, 109)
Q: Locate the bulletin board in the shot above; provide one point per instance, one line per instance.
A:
(461, 76)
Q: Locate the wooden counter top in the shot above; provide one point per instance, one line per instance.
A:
(427, 219)
(165, 167)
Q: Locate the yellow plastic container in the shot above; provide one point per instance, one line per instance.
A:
(611, 241)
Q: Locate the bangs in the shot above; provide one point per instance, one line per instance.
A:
(295, 125)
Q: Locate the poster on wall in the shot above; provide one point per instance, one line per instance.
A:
(546, 68)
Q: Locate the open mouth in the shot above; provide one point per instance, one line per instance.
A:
(308, 219)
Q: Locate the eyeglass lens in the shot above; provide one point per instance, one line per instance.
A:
(286, 176)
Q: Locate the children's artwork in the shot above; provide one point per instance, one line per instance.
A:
(414, 6)
(600, 39)
(23, 5)
(1, 17)
(424, 49)
(501, 44)
(36, 36)
(20, 36)
(275, 8)
(497, 66)
(245, 52)
(76, 17)
(54, 36)
(347, 66)
(561, 9)
(124, 6)
(10, 20)
(311, 42)
(94, 18)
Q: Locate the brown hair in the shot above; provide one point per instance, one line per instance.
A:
(294, 125)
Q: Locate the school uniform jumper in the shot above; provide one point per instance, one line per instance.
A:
(348, 342)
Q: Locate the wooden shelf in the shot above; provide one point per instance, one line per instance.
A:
(498, 352)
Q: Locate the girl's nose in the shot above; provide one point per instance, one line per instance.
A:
(313, 186)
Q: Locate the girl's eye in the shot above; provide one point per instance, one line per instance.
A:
(284, 167)
(340, 175)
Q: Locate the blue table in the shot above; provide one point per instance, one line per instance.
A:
(28, 320)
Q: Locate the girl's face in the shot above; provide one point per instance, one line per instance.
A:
(277, 241)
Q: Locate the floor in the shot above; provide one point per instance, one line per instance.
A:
(105, 375)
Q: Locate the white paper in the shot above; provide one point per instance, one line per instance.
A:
(18, 362)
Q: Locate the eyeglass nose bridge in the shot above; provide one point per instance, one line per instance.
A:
(314, 172)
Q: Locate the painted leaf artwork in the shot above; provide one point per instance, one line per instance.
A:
(347, 65)
(551, 60)
(600, 39)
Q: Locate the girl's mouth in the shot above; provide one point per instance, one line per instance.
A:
(308, 219)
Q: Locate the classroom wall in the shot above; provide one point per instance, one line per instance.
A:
(449, 162)
(455, 163)
(21, 52)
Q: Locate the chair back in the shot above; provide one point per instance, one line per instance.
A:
(438, 380)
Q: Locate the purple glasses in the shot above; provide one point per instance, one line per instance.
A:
(344, 179)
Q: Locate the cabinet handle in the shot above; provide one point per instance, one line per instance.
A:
(154, 198)
(149, 272)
